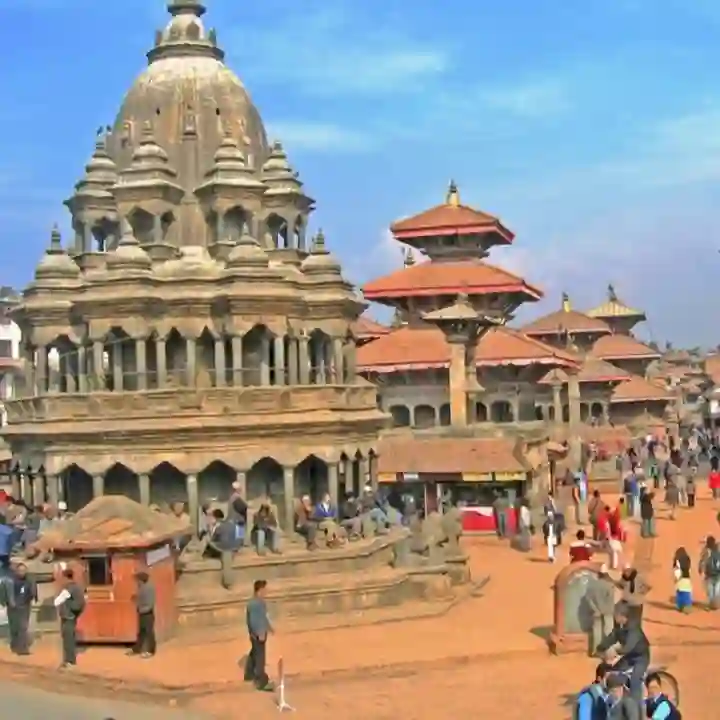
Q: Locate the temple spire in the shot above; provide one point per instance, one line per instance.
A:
(453, 195)
(566, 303)
(186, 7)
(612, 295)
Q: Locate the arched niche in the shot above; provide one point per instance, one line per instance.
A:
(143, 225)
(311, 478)
(121, 480)
(168, 485)
(501, 411)
(176, 357)
(104, 232)
(320, 357)
(256, 356)
(215, 482)
(266, 479)
(234, 223)
(424, 416)
(481, 412)
(76, 487)
(400, 415)
(278, 231)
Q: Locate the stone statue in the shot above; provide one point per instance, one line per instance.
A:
(430, 541)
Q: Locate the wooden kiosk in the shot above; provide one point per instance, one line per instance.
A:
(105, 544)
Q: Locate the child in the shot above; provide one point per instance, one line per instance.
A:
(691, 488)
(550, 535)
(683, 583)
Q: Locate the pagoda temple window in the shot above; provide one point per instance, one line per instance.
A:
(234, 224)
(400, 416)
(104, 235)
(584, 412)
(279, 231)
(424, 416)
(597, 411)
(63, 365)
(207, 372)
(551, 413)
(256, 356)
(121, 480)
(176, 357)
(501, 411)
(445, 415)
(481, 412)
(566, 413)
(539, 412)
(143, 225)
(321, 358)
(166, 222)
(118, 349)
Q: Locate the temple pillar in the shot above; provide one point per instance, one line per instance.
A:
(41, 371)
(280, 373)
(82, 369)
(117, 366)
(557, 404)
(38, 490)
(144, 488)
(265, 360)
(350, 362)
(161, 362)
(364, 473)
(458, 390)
(219, 227)
(292, 361)
(333, 483)
(98, 483)
(69, 373)
(237, 360)
(575, 438)
(87, 238)
(53, 489)
(241, 479)
(98, 351)
(157, 229)
(338, 362)
(304, 360)
(220, 362)
(191, 358)
(191, 485)
(289, 500)
(141, 363)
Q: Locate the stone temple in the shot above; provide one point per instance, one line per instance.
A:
(191, 334)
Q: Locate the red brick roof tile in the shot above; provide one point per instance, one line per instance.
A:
(566, 321)
(472, 277)
(637, 389)
(415, 348)
(448, 455)
(592, 370)
(365, 328)
(622, 347)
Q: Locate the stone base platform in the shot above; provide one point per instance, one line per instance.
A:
(356, 578)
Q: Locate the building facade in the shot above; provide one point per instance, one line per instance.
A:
(192, 334)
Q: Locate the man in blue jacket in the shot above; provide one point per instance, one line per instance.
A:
(657, 705)
(592, 702)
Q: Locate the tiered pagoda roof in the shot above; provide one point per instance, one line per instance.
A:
(622, 347)
(592, 370)
(638, 389)
(614, 308)
(566, 321)
(424, 347)
(366, 329)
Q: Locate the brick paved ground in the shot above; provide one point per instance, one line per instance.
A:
(476, 655)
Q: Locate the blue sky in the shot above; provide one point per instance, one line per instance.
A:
(591, 128)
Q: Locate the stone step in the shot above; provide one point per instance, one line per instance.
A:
(320, 595)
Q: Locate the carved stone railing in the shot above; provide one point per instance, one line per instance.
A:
(169, 403)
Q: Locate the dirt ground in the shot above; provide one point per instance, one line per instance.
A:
(488, 653)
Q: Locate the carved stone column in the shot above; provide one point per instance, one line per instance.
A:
(289, 499)
(144, 488)
(67, 365)
(98, 350)
(333, 483)
(157, 229)
(304, 360)
(39, 497)
(191, 355)
(338, 376)
(118, 369)
(265, 361)
(161, 360)
(241, 478)
(365, 470)
(557, 404)
(292, 361)
(141, 363)
(82, 369)
(220, 362)
(87, 238)
(53, 489)
(237, 360)
(193, 501)
(98, 482)
(280, 377)
(350, 363)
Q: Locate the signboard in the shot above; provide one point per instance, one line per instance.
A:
(387, 477)
(477, 477)
(509, 476)
(153, 557)
(410, 477)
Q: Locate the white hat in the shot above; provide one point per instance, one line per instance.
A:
(62, 505)
(368, 488)
(603, 569)
(236, 485)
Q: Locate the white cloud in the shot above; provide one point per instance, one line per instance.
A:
(331, 51)
(319, 137)
(537, 99)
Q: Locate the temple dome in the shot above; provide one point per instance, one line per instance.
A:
(188, 90)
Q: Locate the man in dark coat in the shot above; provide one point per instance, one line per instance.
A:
(24, 595)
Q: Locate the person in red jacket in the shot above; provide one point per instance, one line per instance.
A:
(581, 549)
(714, 483)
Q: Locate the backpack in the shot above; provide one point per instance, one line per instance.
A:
(712, 567)
(599, 710)
(675, 714)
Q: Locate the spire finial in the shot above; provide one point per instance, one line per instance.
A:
(453, 195)
(318, 247)
(566, 302)
(55, 240)
(189, 7)
(409, 259)
(612, 295)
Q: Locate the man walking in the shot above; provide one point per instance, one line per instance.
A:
(24, 595)
(258, 627)
(70, 604)
(145, 645)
